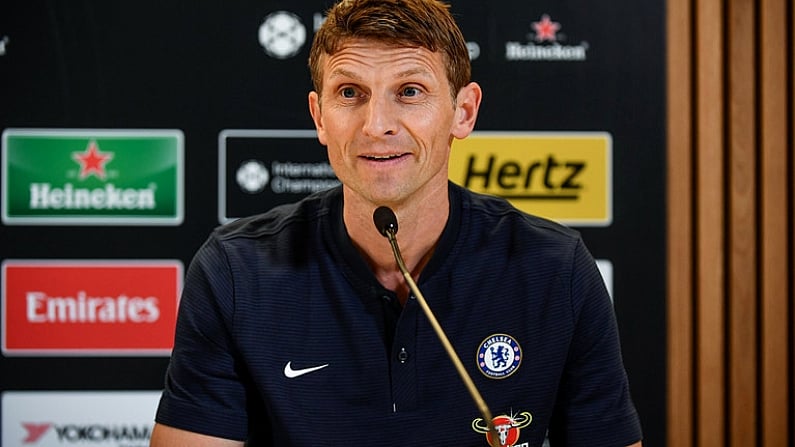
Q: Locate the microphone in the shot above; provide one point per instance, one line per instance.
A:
(386, 223)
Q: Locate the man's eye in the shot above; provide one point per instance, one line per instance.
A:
(411, 91)
(348, 92)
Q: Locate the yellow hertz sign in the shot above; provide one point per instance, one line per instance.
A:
(561, 176)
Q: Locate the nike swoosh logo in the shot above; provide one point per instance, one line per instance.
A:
(291, 373)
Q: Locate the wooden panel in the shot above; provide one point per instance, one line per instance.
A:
(737, 356)
(773, 223)
(791, 149)
(710, 340)
(680, 226)
(742, 223)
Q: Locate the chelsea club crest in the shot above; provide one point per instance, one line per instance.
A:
(499, 356)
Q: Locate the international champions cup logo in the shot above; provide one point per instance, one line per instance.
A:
(282, 34)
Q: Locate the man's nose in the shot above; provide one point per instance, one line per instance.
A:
(381, 117)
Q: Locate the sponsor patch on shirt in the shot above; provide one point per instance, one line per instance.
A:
(507, 428)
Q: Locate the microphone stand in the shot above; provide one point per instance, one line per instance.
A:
(389, 230)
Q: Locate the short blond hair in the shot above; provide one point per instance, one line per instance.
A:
(412, 23)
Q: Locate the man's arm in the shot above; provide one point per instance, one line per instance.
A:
(638, 444)
(165, 436)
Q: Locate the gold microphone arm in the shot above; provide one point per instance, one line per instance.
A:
(470, 385)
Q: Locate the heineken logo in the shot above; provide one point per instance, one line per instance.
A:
(92, 161)
(123, 177)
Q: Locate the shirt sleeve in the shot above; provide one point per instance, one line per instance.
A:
(204, 392)
(594, 406)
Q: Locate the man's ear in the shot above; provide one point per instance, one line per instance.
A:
(314, 110)
(466, 110)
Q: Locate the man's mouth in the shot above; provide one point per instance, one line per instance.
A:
(383, 157)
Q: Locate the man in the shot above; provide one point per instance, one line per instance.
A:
(296, 327)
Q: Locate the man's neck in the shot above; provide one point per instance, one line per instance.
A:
(420, 225)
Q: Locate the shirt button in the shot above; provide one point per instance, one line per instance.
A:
(403, 355)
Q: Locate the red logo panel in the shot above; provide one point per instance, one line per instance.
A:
(90, 307)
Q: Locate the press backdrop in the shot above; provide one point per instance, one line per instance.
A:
(86, 87)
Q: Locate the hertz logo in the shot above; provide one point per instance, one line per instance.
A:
(513, 175)
(564, 177)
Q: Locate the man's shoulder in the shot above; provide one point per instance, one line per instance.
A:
(282, 218)
(490, 212)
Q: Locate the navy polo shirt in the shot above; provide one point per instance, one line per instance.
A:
(285, 337)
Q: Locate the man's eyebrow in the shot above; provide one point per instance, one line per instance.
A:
(414, 71)
(343, 73)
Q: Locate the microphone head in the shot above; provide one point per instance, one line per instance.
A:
(385, 220)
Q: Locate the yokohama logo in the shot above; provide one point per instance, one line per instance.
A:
(34, 432)
(89, 307)
(81, 434)
(77, 418)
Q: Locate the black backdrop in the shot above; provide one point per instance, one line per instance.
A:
(198, 66)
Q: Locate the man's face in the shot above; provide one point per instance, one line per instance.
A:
(387, 117)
